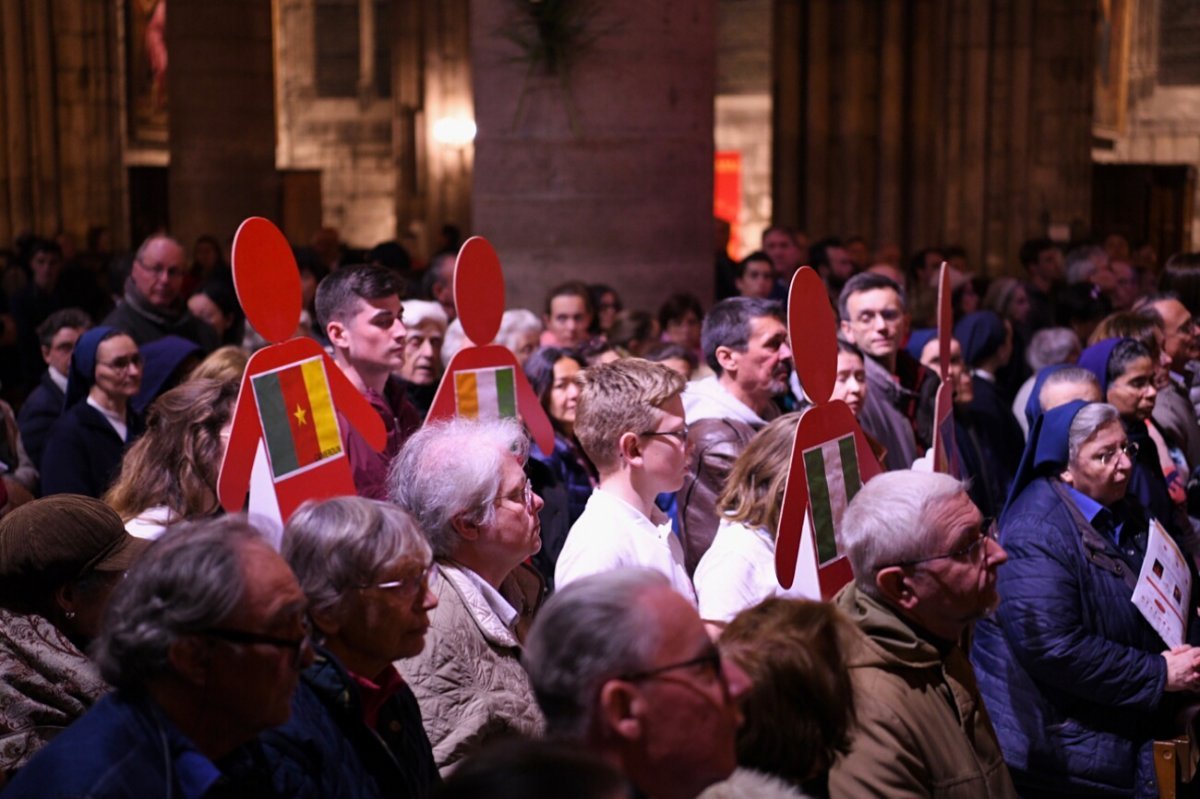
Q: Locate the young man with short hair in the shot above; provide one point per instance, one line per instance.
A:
(359, 309)
(898, 411)
(630, 422)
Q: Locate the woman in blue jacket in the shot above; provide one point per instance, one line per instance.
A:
(1077, 682)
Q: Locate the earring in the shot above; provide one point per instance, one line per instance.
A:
(70, 614)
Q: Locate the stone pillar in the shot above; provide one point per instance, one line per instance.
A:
(934, 122)
(222, 105)
(604, 175)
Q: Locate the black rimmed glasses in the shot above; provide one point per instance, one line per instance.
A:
(681, 434)
(988, 531)
(249, 638)
(1130, 448)
(711, 660)
(407, 587)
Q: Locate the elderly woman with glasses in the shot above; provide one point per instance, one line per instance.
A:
(85, 446)
(1077, 682)
(355, 729)
(464, 484)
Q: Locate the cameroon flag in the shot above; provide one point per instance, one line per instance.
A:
(486, 393)
(299, 425)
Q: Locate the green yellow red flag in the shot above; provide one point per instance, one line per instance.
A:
(299, 425)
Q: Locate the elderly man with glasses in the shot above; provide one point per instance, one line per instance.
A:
(464, 485)
(204, 641)
(622, 665)
(153, 305)
(925, 565)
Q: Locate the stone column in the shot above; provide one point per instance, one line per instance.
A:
(604, 173)
(222, 105)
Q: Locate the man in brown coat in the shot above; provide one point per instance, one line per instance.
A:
(925, 570)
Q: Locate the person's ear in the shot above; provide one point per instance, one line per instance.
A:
(629, 447)
(326, 622)
(727, 358)
(67, 598)
(189, 657)
(337, 334)
(466, 529)
(846, 330)
(46, 354)
(1066, 476)
(895, 587)
(620, 708)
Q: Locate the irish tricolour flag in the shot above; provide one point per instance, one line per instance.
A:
(832, 472)
(486, 393)
(299, 425)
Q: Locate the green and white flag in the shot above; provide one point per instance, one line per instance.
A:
(831, 469)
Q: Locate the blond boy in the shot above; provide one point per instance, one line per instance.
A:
(630, 422)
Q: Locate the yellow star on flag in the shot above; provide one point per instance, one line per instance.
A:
(301, 416)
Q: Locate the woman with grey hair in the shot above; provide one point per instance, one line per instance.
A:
(1077, 682)
(1052, 346)
(356, 728)
(464, 484)
(520, 332)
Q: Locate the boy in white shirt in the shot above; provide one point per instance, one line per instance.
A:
(630, 422)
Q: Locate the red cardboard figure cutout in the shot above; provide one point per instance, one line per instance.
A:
(945, 448)
(291, 391)
(831, 458)
(484, 380)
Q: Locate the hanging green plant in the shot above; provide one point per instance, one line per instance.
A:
(551, 36)
(552, 33)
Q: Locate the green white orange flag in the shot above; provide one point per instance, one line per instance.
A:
(486, 393)
(831, 469)
(299, 425)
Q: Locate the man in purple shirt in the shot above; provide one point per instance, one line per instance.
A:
(359, 309)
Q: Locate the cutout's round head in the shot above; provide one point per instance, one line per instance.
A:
(811, 321)
(479, 290)
(267, 279)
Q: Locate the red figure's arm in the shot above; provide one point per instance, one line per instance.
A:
(348, 401)
(245, 431)
(531, 410)
(791, 518)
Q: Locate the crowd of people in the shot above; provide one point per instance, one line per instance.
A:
(487, 618)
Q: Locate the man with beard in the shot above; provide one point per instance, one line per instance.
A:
(899, 408)
(745, 342)
(925, 569)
